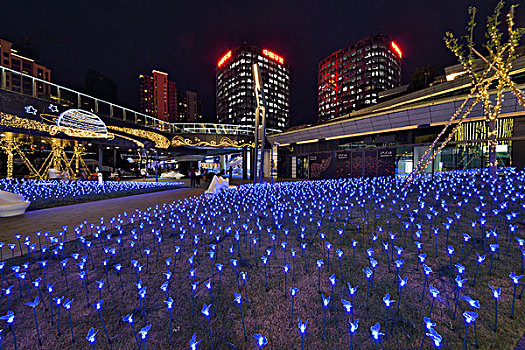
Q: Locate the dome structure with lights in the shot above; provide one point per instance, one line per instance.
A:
(81, 123)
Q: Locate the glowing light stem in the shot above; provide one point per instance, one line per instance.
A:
(424, 286)
(220, 275)
(65, 277)
(319, 280)
(58, 316)
(386, 323)
(71, 325)
(399, 299)
(243, 327)
(169, 309)
(107, 278)
(135, 334)
(341, 267)
(37, 331)
(513, 299)
(491, 260)
(266, 277)
(293, 266)
(51, 306)
(367, 292)
(293, 299)
(14, 335)
(462, 249)
(475, 274)
(41, 298)
(465, 337)
(104, 324)
(324, 322)
(495, 314)
(209, 328)
(458, 292)
(432, 306)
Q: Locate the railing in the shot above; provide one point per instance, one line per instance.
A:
(212, 128)
(54, 93)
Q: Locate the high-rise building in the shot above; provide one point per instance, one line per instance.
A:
(189, 108)
(100, 86)
(158, 96)
(235, 95)
(10, 58)
(351, 78)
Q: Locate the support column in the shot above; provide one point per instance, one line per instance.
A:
(222, 162)
(114, 159)
(100, 156)
(252, 162)
(244, 163)
(3, 79)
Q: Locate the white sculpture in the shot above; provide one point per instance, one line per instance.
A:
(12, 204)
(218, 184)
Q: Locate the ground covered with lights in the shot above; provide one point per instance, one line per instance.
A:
(362, 262)
(51, 193)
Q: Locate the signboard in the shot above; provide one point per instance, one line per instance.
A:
(322, 166)
(224, 58)
(358, 161)
(273, 56)
(343, 164)
(370, 163)
(386, 162)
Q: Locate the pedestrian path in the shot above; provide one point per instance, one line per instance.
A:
(52, 219)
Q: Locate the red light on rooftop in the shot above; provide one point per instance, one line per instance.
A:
(396, 49)
(224, 58)
(273, 56)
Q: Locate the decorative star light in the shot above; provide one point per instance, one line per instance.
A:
(30, 110)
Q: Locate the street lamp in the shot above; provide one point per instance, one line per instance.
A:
(260, 122)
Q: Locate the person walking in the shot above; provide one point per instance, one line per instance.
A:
(198, 176)
(192, 177)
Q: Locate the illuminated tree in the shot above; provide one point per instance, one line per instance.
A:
(489, 71)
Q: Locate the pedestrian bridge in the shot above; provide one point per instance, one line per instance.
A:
(49, 110)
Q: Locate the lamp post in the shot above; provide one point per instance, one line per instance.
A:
(260, 123)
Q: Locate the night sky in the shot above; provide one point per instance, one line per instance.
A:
(122, 39)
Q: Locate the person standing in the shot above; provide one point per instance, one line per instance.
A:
(230, 172)
(192, 177)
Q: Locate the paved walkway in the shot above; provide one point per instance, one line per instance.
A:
(52, 219)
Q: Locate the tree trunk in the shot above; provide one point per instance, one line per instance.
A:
(492, 149)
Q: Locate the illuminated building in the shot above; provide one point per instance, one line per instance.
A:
(158, 96)
(235, 96)
(10, 58)
(189, 108)
(351, 78)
